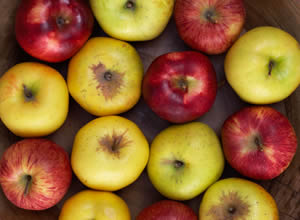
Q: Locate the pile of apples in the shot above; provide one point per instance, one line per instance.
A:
(106, 78)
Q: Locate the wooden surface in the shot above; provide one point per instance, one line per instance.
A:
(285, 188)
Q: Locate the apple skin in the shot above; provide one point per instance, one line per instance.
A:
(109, 153)
(236, 198)
(259, 142)
(97, 205)
(262, 66)
(133, 20)
(34, 99)
(180, 86)
(49, 169)
(184, 160)
(209, 26)
(167, 210)
(53, 30)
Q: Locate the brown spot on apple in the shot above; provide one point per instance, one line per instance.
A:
(231, 206)
(109, 81)
(112, 143)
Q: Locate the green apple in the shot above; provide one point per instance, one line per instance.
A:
(236, 198)
(133, 20)
(263, 65)
(184, 160)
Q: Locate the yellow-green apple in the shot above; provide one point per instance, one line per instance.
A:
(263, 65)
(105, 76)
(236, 198)
(34, 99)
(180, 86)
(95, 205)
(210, 26)
(167, 210)
(133, 20)
(259, 142)
(35, 174)
(53, 30)
(184, 160)
(109, 153)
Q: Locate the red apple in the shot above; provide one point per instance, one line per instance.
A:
(167, 210)
(210, 26)
(259, 142)
(35, 173)
(180, 86)
(53, 30)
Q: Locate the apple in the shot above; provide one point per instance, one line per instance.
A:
(236, 198)
(105, 76)
(109, 153)
(167, 210)
(35, 174)
(209, 26)
(53, 30)
(133, 20)
(180, 86)
(259, 142)
(89, 205)
(184, 160)
(263, 65)
(34, 99)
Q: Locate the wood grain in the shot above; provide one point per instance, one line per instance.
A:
(285, 189)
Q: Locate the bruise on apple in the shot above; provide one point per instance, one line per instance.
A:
(231, 207)
(114, 142)
(109, 82)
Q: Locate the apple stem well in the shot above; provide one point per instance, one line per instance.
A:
(178, 164)
(258, 143)
(60, 21)
(210, 16)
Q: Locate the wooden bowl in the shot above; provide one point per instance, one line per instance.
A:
(285, 188)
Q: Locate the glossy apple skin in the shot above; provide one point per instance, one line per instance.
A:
(163, 93)
(271, 154)
(48, 165)
(167, 210)
(204, 35)
(40, 34)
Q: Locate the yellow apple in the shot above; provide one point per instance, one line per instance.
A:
(105, 76)
(34, 99)
(236, 198)
(133, 20)
(109, 153)
(184, 160)
(94, 205)
(263, 65)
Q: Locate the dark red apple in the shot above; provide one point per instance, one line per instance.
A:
(53, 30)
(209, 26)
(167, 210)
(35, 173)
(259, 142)
(180, 86)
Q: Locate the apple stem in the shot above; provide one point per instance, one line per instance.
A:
(231, 210)
(183, 85)
(271, 65)
(108, 76)
(178, 163)
(209, 14)
(130, 4)
(27, 93)
(258, 144)
(28, 180)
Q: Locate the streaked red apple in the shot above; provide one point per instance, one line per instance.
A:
(167, 210)
(35, 174)
(180, 86)
(53, 30)
(210, 26)
(259, 142)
